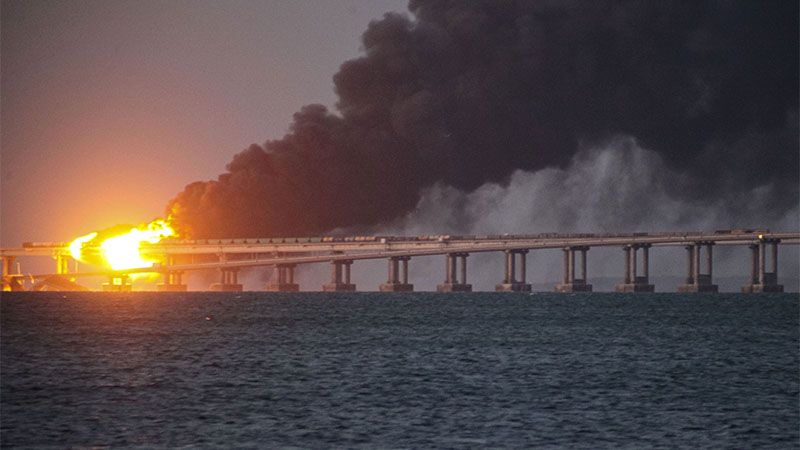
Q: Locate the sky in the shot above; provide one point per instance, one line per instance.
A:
(109, 108)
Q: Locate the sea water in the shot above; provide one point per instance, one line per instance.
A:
(410, 370)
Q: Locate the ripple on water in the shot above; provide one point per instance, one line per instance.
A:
(404, 370)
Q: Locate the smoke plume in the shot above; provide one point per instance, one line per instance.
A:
(462, 94)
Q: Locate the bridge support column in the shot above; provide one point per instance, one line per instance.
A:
(512, 283)
(397, 281)
(571, 283)
(340, 277)
(62, 264)
(173, 280)
(697, 281)
(633, 281)
(283, 279)
(118, 283)
(229, 281)
(10, 283)
(451, 282)
(760, 279)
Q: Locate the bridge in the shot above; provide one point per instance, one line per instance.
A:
(283, 255)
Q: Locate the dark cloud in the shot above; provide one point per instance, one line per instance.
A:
(465, 93)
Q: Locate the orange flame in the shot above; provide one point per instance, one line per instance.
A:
(121, 251)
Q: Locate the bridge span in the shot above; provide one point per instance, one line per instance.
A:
(283, 255)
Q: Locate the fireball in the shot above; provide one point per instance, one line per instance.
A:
(119, 248)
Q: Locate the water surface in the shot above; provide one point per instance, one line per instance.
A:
(398, 370)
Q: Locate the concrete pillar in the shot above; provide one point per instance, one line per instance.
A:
(448, 263)
(8, 283)
(690, 264)
(514, 280)
(395, 270)
(627, 250)
(506, 267)
(390, 267)
(634, 283)
(463, 268)
(761, 280)
(570, 284)
(340, 277)
(775, 260)
(283, 279)
(696, 282)
(584, 277)
(709, 260)
(8, 263)
(512, 270)
(62, 264)
(398, 279)
(571, 278)
(336, 272)
(172, 282)
(452, 283)
(754, 264)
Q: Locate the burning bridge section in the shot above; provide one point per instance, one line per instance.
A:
(154, 254)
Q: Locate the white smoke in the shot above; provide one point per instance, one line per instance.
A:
(618, 187)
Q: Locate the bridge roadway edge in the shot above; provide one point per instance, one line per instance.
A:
(307, 253)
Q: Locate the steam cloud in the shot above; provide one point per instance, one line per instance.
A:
(468, 93)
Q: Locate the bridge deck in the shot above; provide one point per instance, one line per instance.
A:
(268, 252)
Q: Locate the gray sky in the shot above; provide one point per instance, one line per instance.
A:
(110, 107)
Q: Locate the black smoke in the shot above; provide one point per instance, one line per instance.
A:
(466, 92)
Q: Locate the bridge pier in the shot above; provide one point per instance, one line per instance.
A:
(340, 277)
(229, 281)
(634, 282)
(451, 281)
(283, 279)
(62, 263)
(172, 280)
(510, 282)
(570, 283)
(695, 280)
(760, 279)
(9, 283)
(118, 283)
(397, 281)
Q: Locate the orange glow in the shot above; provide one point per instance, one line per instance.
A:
(121, 250)
(76, 246)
